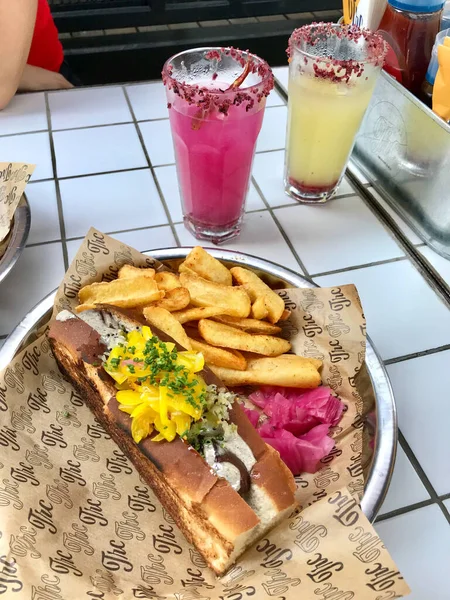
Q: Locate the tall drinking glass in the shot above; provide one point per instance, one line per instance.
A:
(216, 99)
(332, 74)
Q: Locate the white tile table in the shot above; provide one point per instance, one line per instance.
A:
(105, 158)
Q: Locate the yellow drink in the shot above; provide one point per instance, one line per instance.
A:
(323, 120)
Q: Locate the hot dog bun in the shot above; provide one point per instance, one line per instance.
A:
(211, 514)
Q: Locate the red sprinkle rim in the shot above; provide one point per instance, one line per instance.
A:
(207, 99)
(310, 35)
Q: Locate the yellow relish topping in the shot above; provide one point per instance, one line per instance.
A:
(159, 387)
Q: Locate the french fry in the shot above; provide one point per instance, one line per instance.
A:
(124, 293)
(204, 265)
(297, 372)
(225, 336)
(233, 300)
(166, 322)
(167, 281)
(248, 325)
(128, 272)
(231, 359)
(257, 289)
(197, 313)
(175, 299)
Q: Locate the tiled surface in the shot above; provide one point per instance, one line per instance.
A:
(441, 264)
(403, 313)
(102, 201)
(31, 148)
(260, 237)
(406, 488)
(25, 113)
(421, 389)
(412, 237)
(87, 107)
(96, 150)
(340, 234)
(419, 543)
(105, 181)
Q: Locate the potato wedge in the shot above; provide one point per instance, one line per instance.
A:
(297, 372)
(82, 307)
(231, 359)
(197, 313)
(257, 289)
(124, 293)
(233, 300)
(204, 265)
(167, 281)
(175, 299)
(128, 272)
(248, 325)
(164, 320)
(225, 336)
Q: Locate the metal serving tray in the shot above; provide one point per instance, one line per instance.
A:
(18, 237)
(382, 422)
(403, 149)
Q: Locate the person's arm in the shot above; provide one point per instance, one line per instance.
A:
(35, 79)
(17, 21)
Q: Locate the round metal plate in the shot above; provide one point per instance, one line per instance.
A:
(384, 421)
(18, 238)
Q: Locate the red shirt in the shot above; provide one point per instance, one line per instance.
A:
(46, 50)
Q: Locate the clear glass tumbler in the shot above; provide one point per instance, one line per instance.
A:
(332, 74)
(216, 99)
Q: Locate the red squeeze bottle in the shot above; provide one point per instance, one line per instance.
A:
(410, 28)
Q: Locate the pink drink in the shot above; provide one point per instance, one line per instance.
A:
(214, 130)
(214, 164)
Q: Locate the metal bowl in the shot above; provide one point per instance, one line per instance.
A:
(18, 237)
(384, 421)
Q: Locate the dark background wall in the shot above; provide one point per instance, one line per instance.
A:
(110, 41)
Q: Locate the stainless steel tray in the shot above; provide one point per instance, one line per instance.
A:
(382, 422)
(403, 149)
(18, 238)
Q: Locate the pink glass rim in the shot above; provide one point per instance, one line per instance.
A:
(375, 42)
(267, 80)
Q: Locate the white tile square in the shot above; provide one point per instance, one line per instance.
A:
(111, 202)
(260, 237)
(33, 148)
(421, 388)
(268, 171)
(168, 182)
(405, 488)
(148, 101)
(336, 235)
(441, 264)
(158, 141)
(140, 239)
(403, 313)
(273, 131)
(358, 173)
(38, 271)
(86, 107)
(274, 99)
(25, 113)
(98, 150)
(281, 74)
(412, 237)
(419, 543)
(44, 212)
(447, 504)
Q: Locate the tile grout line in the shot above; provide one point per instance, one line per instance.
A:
(422, 475)
(363, 266)
(399, 359)
(62, 225)
(152, 170)
(404, 510)
(281, 230)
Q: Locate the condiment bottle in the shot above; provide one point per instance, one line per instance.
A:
(410, 28)
(445, 22)
(427, 86)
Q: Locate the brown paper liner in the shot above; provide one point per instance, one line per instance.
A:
(13, 180)
(76, 521)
